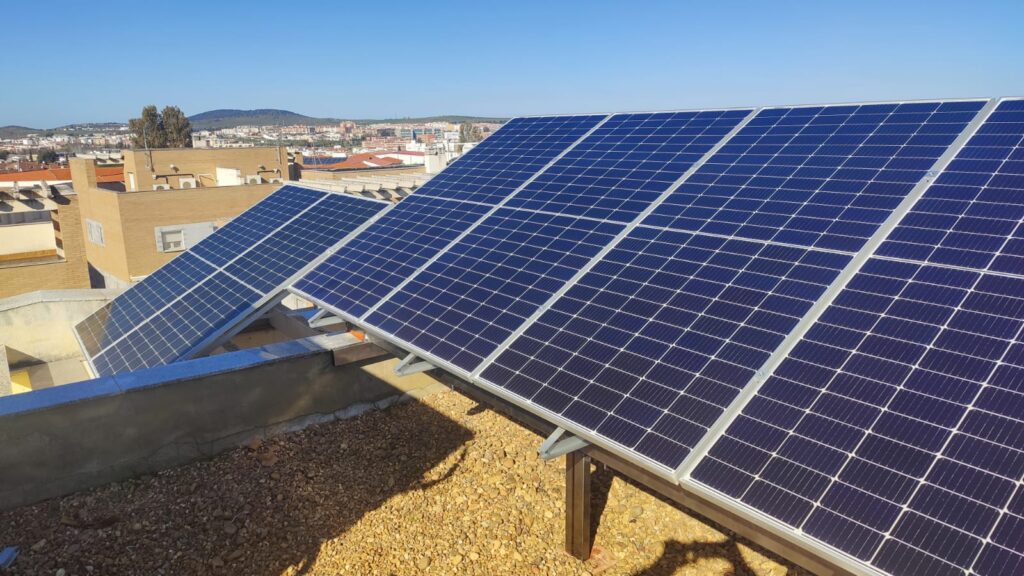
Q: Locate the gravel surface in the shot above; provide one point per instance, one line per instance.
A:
(441, 486)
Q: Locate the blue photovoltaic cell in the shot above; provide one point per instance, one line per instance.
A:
(461, 307)
(390, 250)
(502, 162)
(824, 176)
(124, 313)
(253, 225)
(651, 345)
(971, 216)
(279, 256)
(174, 309)
(894, 430)
(626, 163)
(163, 337)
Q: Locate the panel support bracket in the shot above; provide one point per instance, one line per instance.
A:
(559, 443)
(412, 364)
(320, 315)
(577, 505)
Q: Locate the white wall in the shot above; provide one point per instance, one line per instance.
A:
(229, 177)
(20, 238)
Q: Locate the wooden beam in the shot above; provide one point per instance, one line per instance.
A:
(577, 505)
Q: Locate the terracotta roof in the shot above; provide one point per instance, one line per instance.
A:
(103, 174)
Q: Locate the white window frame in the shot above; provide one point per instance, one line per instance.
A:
(169, 232)
(94, 230)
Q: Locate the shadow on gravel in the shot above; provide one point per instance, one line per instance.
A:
(678, 554)
(256, 510)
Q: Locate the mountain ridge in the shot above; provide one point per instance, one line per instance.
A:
(231, 118)
(234, 117)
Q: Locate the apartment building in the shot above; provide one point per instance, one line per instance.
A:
(168, 201)
(41, 239)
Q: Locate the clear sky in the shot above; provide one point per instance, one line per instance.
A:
(74, 61)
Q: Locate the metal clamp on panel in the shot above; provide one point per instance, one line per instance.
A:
(411, 364)
(560, 443)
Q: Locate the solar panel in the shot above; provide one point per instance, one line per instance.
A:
(143, 299)
(894, 431)
(208, 289)
(255, 224)
(356, 279)
(389, 251)
(494, 168)
(625, 164)
(186, 320)
(609, 177)
(122, 314)
(293, 246)
(822, 176)
(480, 290)
(974, 205)
(655, 341)
(889, 429)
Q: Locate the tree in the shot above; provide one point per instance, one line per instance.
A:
(468, 132)
(170, 129)
(177, 128)
(148, 131)
(4, 154)
(47, 156)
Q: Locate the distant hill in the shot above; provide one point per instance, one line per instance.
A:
(7, 132)
(228, 118)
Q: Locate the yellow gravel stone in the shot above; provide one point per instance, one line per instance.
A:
(440, 486)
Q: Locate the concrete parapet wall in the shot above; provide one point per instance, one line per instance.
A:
(38, 326)
(67, 438)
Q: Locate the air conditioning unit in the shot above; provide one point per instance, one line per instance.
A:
(186, 182)
(161, 186)
(254, 179)
(276, 181)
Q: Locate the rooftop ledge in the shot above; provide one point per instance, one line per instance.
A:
(63, 439)
(442, 486)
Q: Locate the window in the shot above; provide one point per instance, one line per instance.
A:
(24, 217)
(179, 237)
(95, 232)
(172, 240)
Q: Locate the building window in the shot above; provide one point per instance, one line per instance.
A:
(94, 230)
(24, 218)
(172, 240)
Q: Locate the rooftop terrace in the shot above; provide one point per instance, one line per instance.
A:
(438, 486)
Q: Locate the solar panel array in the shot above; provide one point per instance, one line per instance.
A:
(413, 233)
(203, 291)
(812, 315)
(659, 337)
(894, 430)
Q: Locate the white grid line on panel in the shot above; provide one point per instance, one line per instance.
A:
(610, 246)
(156, 313)
(233, 325)
(686, 467)
(472, 227)
(753, 309)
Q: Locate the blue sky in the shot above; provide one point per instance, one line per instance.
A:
(87, 61)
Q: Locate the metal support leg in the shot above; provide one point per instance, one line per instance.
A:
(577, 505)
